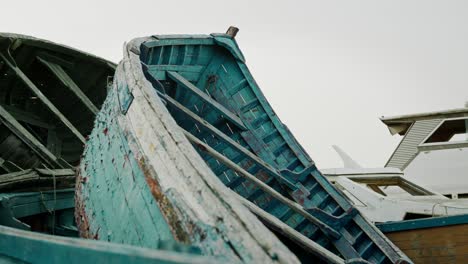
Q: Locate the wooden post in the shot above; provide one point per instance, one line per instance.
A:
(232, 31)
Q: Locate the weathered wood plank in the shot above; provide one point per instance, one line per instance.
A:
(27, 117)
(37, 179)
(227, 140)
(289, 232)
(28, 138)
(68, 82)
(40, 249)
(291, 204)
(43, 98)
(179, 79)
(435, 245)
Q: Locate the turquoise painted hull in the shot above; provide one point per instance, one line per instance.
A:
(201, 89)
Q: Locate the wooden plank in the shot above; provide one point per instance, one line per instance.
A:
(183, 68)
(68, 82)
(43, 98)
(431, 222)
(179, 79)
(446, 244)
(54, 144)
(28, 138)
(27, 117)
(41, 246)
(30, 179)
(292, 234)
(228, 141)
(291, 204)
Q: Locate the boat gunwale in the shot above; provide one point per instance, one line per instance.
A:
(431, 222)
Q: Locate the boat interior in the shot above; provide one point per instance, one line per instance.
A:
(209, 91)
(49, 95)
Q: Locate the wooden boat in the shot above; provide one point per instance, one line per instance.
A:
(49, 95)
(184, 118)
(431, 240)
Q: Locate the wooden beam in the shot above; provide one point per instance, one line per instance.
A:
(43, 98)
(27, 117)
(278, 196)
(54, 144)
(37, 180)
(55, 59)
(289, 232)
(9, 166)
(179, 79)
(68, 82)
(9, 121)
(243, 151)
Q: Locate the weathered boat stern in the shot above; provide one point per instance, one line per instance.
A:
(141, 182)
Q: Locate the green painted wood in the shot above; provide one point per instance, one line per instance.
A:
(113, 186)
(17, 246)
(27, 117)
(294, 206)
(230, 142)
(87, 71)
(430, 222)
(37, 179)
(33, 203)
(28, 138)
(67, 81)
(217, 106)
(43, 98)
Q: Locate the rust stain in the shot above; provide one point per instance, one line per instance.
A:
(168, 211)
(105, 131)
(80, 214)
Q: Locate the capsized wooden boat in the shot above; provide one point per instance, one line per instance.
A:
(170, 90)
(431, 240)
(49, 95)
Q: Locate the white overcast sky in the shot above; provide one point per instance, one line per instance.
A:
(329, 68)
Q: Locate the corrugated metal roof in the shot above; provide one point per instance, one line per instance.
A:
(408, 147)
